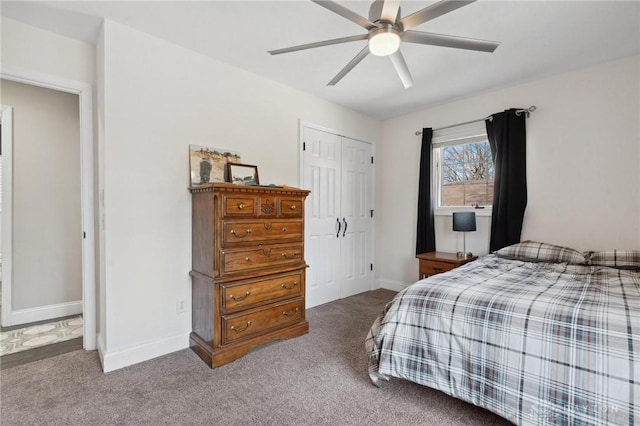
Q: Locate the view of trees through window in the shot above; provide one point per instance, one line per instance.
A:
(467, 175)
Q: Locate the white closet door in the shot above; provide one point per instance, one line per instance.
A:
(322, 176)
(357, 239)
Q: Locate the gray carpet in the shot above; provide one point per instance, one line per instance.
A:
(319, 378)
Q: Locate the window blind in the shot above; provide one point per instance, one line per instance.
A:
(465, 133)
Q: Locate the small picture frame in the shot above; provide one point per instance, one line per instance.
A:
(242, 174)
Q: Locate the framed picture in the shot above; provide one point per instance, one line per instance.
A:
(209, 165)
(243, 174)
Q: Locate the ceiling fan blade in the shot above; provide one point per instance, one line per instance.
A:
(432, 12)
(345, 13)
(401, 68)
(319, 44)
(449, 41)
(390, 11)
(355, 61)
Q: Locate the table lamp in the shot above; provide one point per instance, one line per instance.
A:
(464, 222)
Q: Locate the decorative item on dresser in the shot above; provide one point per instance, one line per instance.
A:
(242, 174)
(436, 262)
(248, 272)
(464, 222)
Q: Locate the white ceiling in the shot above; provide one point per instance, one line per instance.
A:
(538, 39)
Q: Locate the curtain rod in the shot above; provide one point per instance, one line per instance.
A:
(527, 112)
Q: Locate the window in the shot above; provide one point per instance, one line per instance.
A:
(463, 166)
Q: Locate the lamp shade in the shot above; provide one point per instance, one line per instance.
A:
(464, 221)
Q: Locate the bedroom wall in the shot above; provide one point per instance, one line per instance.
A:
(39, 51)
(157, 98)
(583, 166)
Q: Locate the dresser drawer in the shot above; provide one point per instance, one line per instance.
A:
(434, 267)
(238, 206)
(239, 260)
(290, 207)
(244, 325)
(259, 231)
(246, 294)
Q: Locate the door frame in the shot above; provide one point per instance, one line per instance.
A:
(84, 91)
(301, 125)
(7, 212)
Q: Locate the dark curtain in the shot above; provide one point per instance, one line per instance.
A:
(507, 137)
(426, 238)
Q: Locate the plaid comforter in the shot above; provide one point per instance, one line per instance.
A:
(536, 343)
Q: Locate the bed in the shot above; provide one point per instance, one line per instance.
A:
(536, 333)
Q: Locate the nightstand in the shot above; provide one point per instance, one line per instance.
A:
(435, 262)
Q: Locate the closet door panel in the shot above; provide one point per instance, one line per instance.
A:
(356, 212)
(322, 174)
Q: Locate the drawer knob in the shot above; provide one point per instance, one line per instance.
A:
(284, 229)
(290, 313)
(241, 206)
(292, 207)
(241, 329)
(247, 259)
(247, 232)
(239, 298)
(290, 256)
(284, 285)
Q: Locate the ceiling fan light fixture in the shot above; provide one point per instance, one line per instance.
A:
(384, 41)
(386, 29)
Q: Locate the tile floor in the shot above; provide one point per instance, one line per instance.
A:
(37, 335)
(34, 336)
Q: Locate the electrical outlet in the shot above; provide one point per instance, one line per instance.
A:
(181, 306)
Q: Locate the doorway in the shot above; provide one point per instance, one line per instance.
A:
(85, 230)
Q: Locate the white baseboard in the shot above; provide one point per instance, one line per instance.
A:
(119, 359)
(391, 285)
(43, 313)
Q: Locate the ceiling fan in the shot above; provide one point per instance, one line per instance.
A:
(386, 29)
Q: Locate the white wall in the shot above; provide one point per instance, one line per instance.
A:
(29, 48)
(158, 99)
(47, 228)
(583, 166)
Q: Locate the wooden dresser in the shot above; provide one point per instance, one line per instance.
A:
(248, 268)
